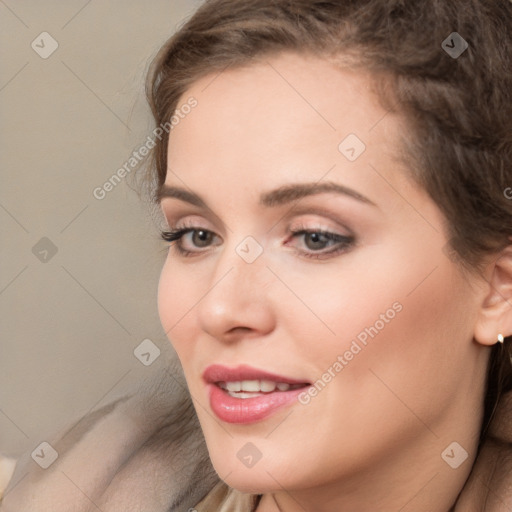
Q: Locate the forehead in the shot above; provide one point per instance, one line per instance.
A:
(280, 118)
(303, 87)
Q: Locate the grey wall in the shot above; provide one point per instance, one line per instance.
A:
(70, 321)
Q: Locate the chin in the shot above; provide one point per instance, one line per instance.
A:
(257, 476)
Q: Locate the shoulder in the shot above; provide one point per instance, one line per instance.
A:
(133, 453)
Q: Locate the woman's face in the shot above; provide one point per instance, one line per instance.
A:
(370, 325)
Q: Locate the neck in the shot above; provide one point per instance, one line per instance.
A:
(416, 479)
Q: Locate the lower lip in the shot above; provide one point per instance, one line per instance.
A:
(249, 410)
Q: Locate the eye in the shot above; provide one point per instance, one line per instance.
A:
(200, 238)
(314, 240)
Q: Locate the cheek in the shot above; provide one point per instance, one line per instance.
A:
(412, 292)
(401, 331)
(165, 298)
(176, 298)
(333, 305)
(390, 307)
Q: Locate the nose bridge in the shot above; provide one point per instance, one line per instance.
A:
(242, 265)
(237, 295)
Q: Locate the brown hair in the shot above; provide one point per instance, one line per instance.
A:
(459, 108)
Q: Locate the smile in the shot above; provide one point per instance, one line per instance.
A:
(247, 395)
(252, 388)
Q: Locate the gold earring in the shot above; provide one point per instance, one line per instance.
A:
(500, 338)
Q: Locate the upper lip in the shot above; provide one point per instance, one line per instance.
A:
(219, 373)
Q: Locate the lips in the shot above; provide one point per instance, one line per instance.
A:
(246, 395)
(218, 373)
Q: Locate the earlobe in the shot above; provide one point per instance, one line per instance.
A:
(494, 323)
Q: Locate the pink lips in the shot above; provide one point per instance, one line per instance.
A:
(247, 410)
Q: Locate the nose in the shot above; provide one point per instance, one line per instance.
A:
(238, 302)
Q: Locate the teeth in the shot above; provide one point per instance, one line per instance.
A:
(255, 386)
(250, 385)
(234, 386)
(267, 386)
(243, 395)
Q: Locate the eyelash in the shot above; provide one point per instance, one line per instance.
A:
(346, 242)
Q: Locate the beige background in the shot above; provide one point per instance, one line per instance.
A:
(69, 325)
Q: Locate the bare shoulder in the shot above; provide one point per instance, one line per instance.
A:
(133, 453)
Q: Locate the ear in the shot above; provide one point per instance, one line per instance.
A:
(495, 316)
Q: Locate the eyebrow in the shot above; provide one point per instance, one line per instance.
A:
(278, 197)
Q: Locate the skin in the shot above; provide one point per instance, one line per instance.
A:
(372, 439)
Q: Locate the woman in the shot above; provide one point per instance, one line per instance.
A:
(334, 177)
